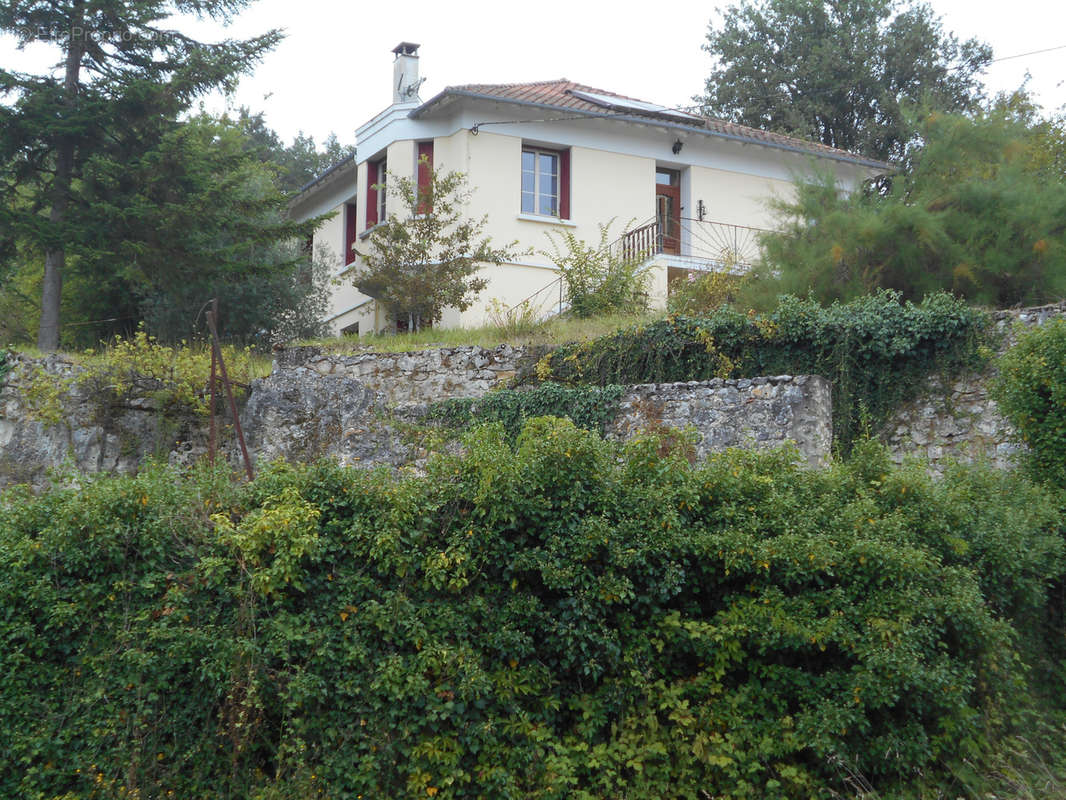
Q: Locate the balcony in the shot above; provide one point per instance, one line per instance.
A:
(692, 244)
(689, 245)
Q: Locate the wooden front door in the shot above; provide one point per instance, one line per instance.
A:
(668, 209)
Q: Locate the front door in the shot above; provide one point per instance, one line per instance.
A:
(668, 209)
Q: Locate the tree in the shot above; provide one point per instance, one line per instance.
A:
(428, 259)
(840, 72)
(119, 68)
(298, 163)
(980, 212)
(197, 215)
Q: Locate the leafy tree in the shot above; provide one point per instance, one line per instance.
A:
(840, 72)
(119, 68)
(428, 259)
(980, 213)
(298, 163)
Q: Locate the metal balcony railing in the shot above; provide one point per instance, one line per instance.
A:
(700, 243)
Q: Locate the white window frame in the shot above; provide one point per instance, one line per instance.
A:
(537, 192)
(382, 193)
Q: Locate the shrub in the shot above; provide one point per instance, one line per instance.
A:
(598, 278)
(175, 377)
(1031, 390)
(560, 617)
(703, 293)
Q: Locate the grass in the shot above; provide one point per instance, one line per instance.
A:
(551, 332)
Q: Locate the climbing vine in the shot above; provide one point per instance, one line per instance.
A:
(877, 351)
(588, 407)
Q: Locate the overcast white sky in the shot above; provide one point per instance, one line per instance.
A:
(334, 70)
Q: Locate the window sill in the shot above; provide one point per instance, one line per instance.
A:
(547, 220)
(370, 230)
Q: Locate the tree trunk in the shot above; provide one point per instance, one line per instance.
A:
(55, 256)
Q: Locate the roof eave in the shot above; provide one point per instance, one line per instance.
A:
(306, 190)
(845, 158)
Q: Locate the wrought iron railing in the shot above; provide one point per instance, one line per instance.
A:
(719, 245)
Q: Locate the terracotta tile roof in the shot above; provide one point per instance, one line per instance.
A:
(560, 94)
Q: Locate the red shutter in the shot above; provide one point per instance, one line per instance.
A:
(425, 170)
(564, 184)
(371, 194)
(351, 219)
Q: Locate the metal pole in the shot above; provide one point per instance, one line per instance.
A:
(214, 369)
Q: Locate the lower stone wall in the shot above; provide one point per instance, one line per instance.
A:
(360, 408)
(756, 413)
(299, 414)
(96, 433)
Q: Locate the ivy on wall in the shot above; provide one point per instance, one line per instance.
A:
(876, 351)
(588, 407)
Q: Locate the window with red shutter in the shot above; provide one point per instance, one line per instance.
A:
(351, 220)
(546, 182)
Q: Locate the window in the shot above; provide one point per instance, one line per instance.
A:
(546, 182)
(375, 192)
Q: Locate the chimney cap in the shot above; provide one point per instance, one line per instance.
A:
(406, 49)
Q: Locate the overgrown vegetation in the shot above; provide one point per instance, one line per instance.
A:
(704, 292)
(175, 379)
(876, 350)
(598, 278)
(1031, 390)
(976, 211)
(560, 617)
(589, 407)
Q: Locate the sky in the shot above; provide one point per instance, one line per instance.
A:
(334, 69)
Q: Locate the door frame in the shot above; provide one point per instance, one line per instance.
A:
(669, 228)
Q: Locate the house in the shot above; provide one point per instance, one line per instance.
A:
(561, 156)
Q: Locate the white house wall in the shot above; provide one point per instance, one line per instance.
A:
(613, 167)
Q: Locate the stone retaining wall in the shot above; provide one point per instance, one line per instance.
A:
(424, 376)
(300, 414)
(958, 419)
(753, 413)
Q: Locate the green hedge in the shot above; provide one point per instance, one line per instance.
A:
(877, 351)
(560, 618)
(1031, 390)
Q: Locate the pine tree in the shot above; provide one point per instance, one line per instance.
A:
(120, 71)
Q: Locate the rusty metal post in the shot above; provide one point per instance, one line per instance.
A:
(212, 318)
(214, 370)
